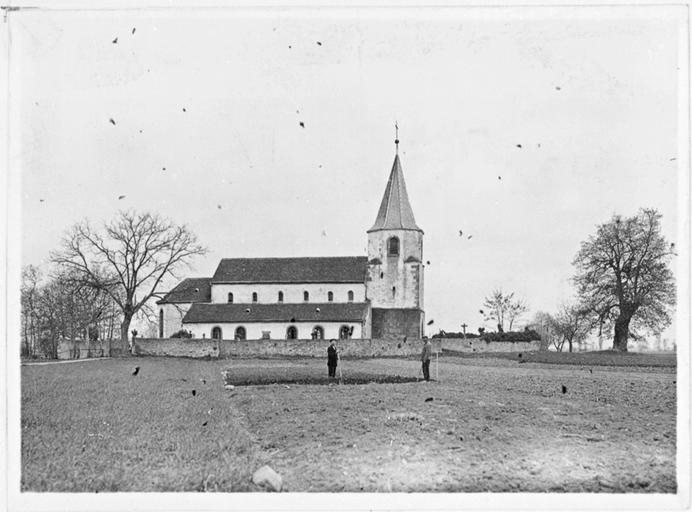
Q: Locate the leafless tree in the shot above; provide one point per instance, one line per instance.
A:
(543, 324)
(503, 307)
(30, 315)
(128, 258)
(623, 276)
(570, 325)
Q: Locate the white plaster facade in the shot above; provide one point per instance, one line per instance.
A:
(173, 314)
(277, 330)
(293, 293)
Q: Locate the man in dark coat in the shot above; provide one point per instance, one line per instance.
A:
(332, 358)
(425, 356)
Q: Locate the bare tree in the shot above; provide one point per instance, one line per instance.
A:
(128, 258)
(503, 307)
(30, 315)
(543, 324)
(623, 276)
(570, 325)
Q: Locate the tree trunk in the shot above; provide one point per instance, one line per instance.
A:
(622, 330)
(124, 330)
(570, 345)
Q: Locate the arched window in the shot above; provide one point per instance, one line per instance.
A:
(161, 323)
(230, 298)
(350, 295)
(306, 296)
(393, 291)
(254, 296)
(344, 332)
(216, 333)
(239, 333)
(393, 246)
(330, 297)
(317, 333)
(281, 296)
(292, 333)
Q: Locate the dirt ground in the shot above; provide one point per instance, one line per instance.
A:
(492, 425)
(487, 425)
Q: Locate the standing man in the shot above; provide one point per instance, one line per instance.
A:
(425, 358)
(332, 358)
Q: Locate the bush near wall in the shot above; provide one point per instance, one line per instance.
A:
(527, 335)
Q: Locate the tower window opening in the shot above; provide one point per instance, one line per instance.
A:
(306, 296)
(281, 296)
(254, 296)
(330, 297)
(393, 291)
(350, 295)
(230, 298)
(393, 246)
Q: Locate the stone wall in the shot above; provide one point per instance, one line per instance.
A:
(177, 347)
(396, 323)
(479, 345)
(201, 348)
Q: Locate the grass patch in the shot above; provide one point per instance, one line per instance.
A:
(598, 358)
(487, 425)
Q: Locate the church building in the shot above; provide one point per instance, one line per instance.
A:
(375, 296)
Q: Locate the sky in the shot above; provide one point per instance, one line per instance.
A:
(522, 127)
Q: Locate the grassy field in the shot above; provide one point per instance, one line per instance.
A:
(489, 424)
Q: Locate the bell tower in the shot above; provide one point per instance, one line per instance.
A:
(395, 263)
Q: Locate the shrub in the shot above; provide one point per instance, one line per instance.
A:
(182, 333)
(526, 335)
(459, 335)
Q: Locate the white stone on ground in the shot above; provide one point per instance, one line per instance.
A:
(267, 476)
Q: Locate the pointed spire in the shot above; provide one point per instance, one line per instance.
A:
(395, 210)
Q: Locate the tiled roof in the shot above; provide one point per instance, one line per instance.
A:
(343, 269)
(395, 210)
(304, 312)
(194, 289)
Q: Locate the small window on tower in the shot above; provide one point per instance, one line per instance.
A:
(393, 246)
(306, 296)
(350, 295)
(393, 291)
(330, 297)
(230, 298)
(281, 296)
(254, 296)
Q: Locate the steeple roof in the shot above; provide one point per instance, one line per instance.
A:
(395, 210)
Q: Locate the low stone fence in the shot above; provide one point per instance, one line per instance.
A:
(201, 348)
(480, 345)
(209, 348)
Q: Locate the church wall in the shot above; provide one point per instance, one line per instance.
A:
(173, 317)
(396, 323)
(393, 272)
(293, 293)
(277, 329)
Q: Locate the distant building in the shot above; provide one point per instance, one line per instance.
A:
(375, 296)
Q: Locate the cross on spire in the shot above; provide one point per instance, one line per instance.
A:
(396, 140)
